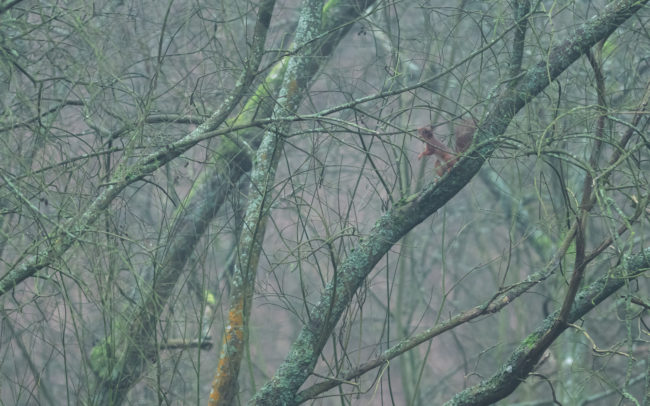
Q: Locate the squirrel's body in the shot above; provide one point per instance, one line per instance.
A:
(463, 135)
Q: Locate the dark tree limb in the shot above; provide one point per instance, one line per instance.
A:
(525, 357)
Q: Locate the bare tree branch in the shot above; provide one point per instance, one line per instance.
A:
(524, 358)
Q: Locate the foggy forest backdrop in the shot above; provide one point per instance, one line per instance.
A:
(221, 202)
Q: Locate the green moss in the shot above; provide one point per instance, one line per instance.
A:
(100, 357)
(531, 340)
(105, 360)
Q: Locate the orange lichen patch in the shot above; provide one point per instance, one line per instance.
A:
(236, 322)
(230, 357)
(214, 395)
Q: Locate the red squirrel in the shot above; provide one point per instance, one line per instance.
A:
(463, 133)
